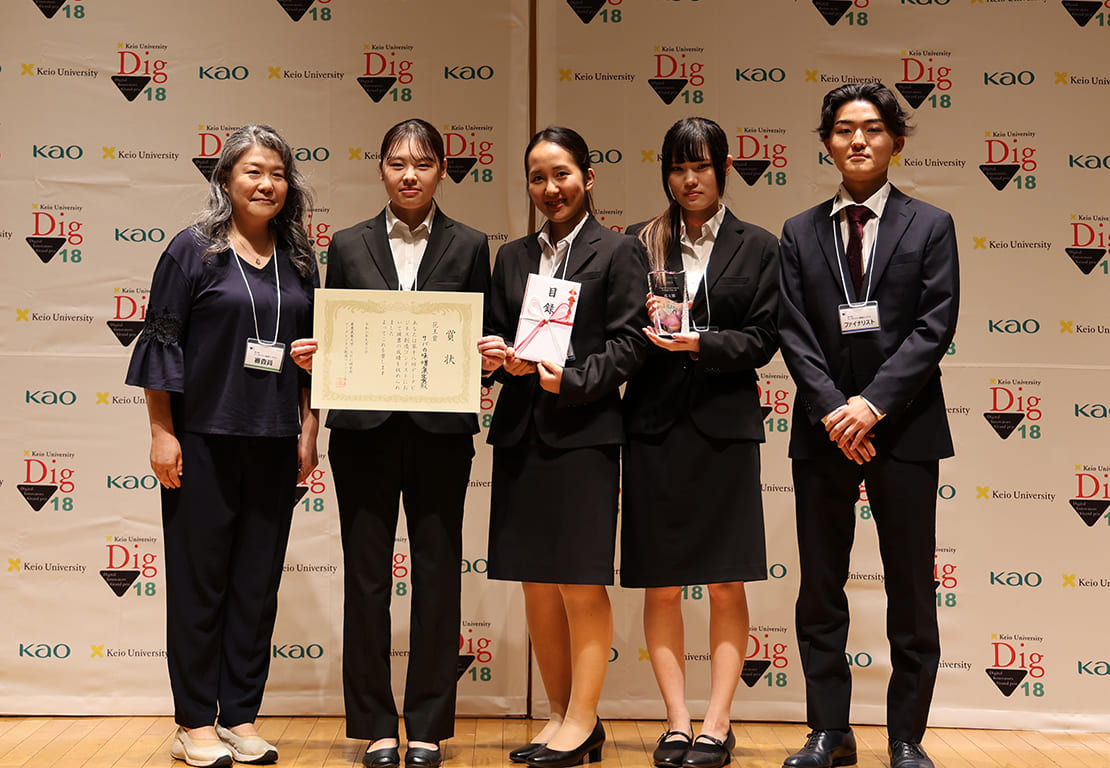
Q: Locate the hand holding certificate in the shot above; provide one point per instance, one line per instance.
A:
(546, 319)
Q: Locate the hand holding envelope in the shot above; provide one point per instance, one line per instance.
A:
(546, 320)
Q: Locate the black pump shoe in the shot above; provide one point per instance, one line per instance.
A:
(589, 750)
(708, 752)
(521, 754)
(670, 754)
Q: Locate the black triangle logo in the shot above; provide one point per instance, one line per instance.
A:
(458, 167)
(130, 85)
(936, 585)
(126, 330)
(45, 247)
(666, 88)
(766, 410)
(832, 10)
(206, 165)
(465, 660)
(37, 495)
(295, 8)
(752, 670)
(1086, 258)
(298, 494)
(750, 170)
(119, 581)
(586, 9)
(1081, 10)
(1090, 510)
(1003, 423)
(50, 7)
(376, 87)
(1006, 679)
(915, 93)
(999, 175)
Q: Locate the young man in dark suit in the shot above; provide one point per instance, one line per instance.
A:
(870, 289)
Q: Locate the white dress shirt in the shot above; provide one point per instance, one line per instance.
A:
(554, 255)
(408, 246)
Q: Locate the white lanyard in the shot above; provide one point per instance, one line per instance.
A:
(254, 312)
(840, 262)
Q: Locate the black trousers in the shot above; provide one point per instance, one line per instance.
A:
(225, 531)
(902, 496)
(373, 470)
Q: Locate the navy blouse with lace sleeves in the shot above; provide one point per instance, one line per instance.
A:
(198, 321)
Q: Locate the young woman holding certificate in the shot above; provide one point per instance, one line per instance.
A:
(556, 433)
(379, 457)
(691, 505)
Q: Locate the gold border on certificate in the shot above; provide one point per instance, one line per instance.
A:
(397, 350)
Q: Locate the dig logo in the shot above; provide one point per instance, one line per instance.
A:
(774, 402)
(126, 563)
(1092, 495)
(320, 234)
(1011, 664)
(1010, 406)
(475, 648)
(1088, 244)
(129, 315)
(50, 7)
(383, 69)
(835, 10)
(43, 477)
(137, 69)
(920, 77)
(765, 660)
(309, 494)
(944, 577)
(297, 8)
(210, 145)
(52, 230)
(674, 70)
(586, 10)
(1005, 157)
(756, 155)
(464, 152)
(1082, 11)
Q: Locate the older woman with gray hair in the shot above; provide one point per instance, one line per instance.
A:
(232, 435)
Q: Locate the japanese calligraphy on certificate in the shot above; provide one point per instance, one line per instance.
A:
(546, 319)
(397, 350)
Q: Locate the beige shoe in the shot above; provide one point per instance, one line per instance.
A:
(201, 754)
(253, 750)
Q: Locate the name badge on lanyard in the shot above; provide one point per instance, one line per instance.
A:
(264, 355)
(861, 316)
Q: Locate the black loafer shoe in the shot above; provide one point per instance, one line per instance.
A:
(708, 752)
(903, 754)
(825, 749)
(382, 758)
(521, 754)
(670, 754)
(422, 757)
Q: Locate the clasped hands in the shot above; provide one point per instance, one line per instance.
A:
(849, 426)
(496, 354)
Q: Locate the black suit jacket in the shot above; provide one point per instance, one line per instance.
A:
(916, 283)
(605, 340)
(456, 259)
(719, 388)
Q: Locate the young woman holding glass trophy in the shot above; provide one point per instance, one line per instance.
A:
(691, 505)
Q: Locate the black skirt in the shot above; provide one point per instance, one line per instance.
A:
(553, 513)
(691, 510)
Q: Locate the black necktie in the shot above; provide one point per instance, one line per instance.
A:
(858, 215)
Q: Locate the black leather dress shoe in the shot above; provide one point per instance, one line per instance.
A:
(825, 749)
(422, 757)
(589, 750)
(708, 752)
(670, 754)
(382, 758)
(521, 754)
(903, 754)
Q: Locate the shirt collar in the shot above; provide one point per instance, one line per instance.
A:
(545, 238)
(877, 201)
(709, 229)
(396, 227)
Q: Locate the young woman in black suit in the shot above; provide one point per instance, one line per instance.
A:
(691, 506)
(556, 433)
(378, 457)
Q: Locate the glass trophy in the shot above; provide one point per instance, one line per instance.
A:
(672, 310)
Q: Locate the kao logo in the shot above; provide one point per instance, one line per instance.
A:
(835, 10)
(125, 565)
(1091, 411)
(57, 152)
(1092, 495)
(674, 70)
(311, 154)
(479, 565)
(586, 10)
(1007, 154)
(763, 654)
(464, 152)
(921, 75)
(760, 75)
(1082, 11)
(298, 651)
(221, 72)
(139, 235)
(1025, 77)
(1088, 243)
(467, 72)
(756, 155)
(132, 482)
(44, 651)
(129, 315)
(1096, 667)
(1012, 663)
(1032, 579)
(137, 69)
(297, 8)
(52, 231)
(50, 397)
(41, 479)
(383, 69)
(1090, 162)
(1010, 405)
